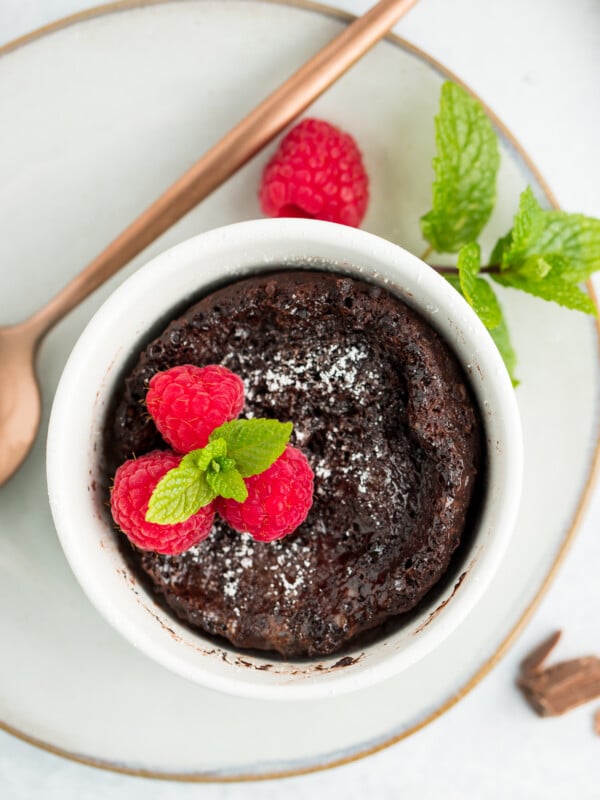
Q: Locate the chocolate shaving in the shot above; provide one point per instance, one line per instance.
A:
(561, 687)
(535, 660)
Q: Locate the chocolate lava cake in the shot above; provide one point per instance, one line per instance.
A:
(383, 412)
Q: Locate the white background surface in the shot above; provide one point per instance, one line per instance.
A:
(537, 63)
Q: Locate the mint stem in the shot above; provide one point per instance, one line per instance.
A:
(493, 269)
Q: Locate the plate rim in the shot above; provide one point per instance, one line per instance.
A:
(322, 9)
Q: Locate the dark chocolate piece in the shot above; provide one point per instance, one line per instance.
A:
(561, 687)
(534, 662)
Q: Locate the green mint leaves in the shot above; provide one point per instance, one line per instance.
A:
(236, 450)
(537, 233)
(546, 253)
(501, 337)
(477, 291)
(254, 444)
(227, 482)
(200, 459)
(480, 296)
(465, 167)
(182, 492)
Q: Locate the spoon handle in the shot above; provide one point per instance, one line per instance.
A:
(228, 155)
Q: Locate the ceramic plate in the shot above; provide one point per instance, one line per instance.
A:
(98, 118)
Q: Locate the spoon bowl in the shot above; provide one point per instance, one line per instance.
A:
(20, 402)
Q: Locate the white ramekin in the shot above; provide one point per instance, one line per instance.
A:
(118, 331)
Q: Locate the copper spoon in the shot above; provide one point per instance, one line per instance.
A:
(19, 392)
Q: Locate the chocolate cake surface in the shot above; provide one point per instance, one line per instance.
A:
(382, 410)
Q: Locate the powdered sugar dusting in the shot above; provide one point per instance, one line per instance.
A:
(336, 366)
(290, 564)
(302, 378)
(319, 375)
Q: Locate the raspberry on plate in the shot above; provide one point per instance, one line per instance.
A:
(187, 403)
(135, 480)
(317, 172)
(279, 499)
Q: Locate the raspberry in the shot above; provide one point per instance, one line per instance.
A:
(317, 172)
(187, 403)
(279, 499)
(134, 483)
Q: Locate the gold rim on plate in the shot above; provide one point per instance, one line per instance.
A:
(487, 667)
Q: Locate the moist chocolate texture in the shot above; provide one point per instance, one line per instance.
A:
(383, 412)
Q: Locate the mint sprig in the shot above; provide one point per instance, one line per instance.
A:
(466, 164)
(546, 253)
(254, 444)
(236, 450)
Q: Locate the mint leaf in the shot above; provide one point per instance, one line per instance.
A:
(576, 238)
(547, 253)
(501, 337)
(228, 483)
(224, 463)
(528, 225)
(254, 444)
(485, 303)
(553, 287)
(500, 248)
(466, 165)
(536, 232)
(179, 494)
(454, 281)
(201, 458)
(477, 291)
(535, 268)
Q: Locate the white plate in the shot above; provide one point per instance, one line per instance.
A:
(97, 119)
